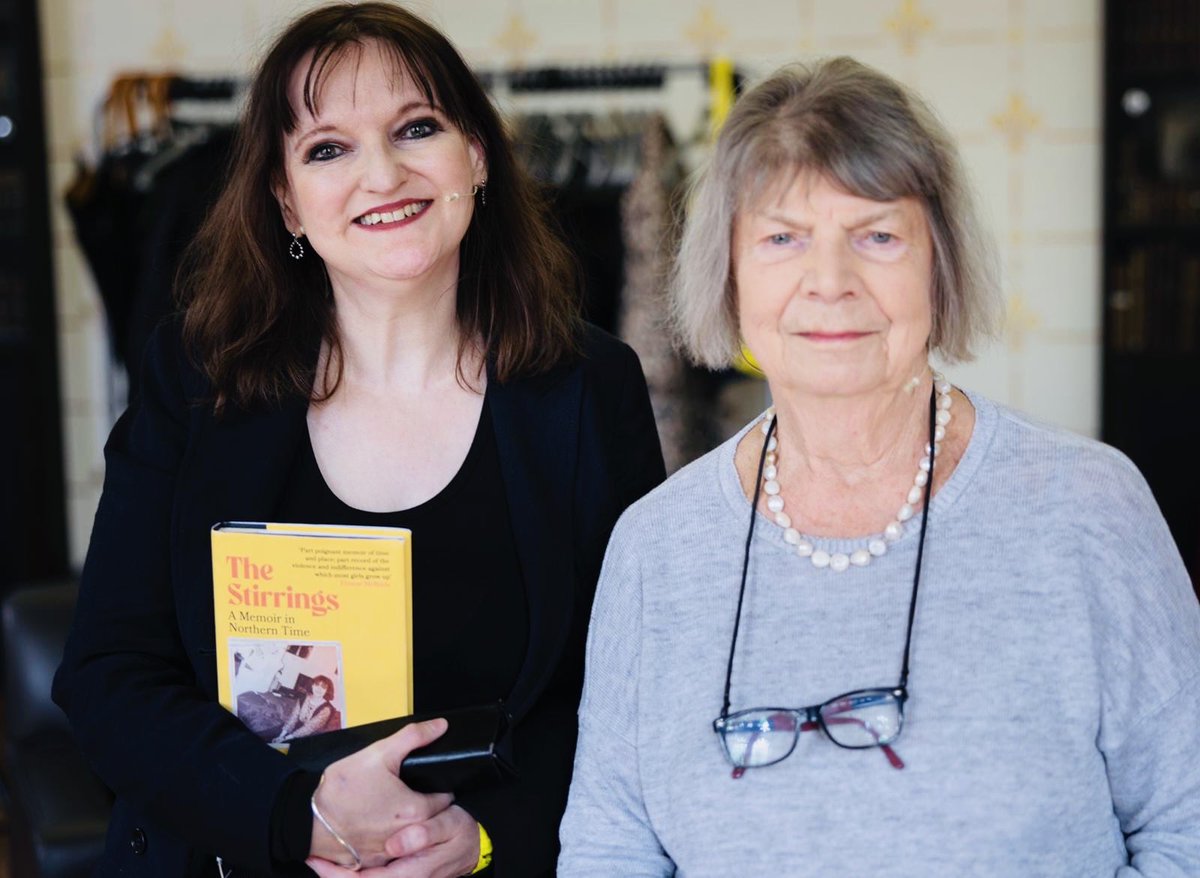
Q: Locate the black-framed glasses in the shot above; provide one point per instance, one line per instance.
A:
(856, 720)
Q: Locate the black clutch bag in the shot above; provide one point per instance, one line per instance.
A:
(473, 752)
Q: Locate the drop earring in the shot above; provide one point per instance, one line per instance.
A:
(296, 248)
(481, 188)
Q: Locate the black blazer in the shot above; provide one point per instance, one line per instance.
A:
(138, 678)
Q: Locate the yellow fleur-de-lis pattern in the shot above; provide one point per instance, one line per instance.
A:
(909, 25)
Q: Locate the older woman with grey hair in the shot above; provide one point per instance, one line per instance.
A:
(890, 628)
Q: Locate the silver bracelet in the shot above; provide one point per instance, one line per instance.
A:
(358, 863)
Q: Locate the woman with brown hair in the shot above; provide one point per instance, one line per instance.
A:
(313, 712)
(380, 329)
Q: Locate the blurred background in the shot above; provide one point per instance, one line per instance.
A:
(1079, 121)
(1020, 84)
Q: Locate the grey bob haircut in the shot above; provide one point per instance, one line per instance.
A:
(868, 135)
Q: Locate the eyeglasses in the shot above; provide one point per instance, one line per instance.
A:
(858, 720)
(855, 720)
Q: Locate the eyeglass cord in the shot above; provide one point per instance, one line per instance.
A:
(912, 604)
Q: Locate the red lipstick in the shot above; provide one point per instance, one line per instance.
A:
(393, 214)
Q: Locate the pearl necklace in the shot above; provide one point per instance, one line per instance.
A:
(877, 545)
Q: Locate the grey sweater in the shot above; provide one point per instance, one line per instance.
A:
(1054, 709)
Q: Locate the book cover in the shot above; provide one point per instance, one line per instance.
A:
(313, 625)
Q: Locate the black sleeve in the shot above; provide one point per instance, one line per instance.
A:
(291, 820)
(620, 460)
(127, 682)
(636, 449)
(619, 437)
(522, 817)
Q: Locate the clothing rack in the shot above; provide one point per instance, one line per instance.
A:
(601, 77)
(721, 79)
(604, 77)
(184, 88)
(710, 87)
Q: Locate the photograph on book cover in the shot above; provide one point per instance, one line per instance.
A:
(284, 690)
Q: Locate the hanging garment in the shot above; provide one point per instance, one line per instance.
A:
(104, 207)
(591, 224)
(134, 214)
(680, 394)
(561, 152)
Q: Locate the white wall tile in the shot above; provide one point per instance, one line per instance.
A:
(572, 31)
(219, 38)
(475, 29)
(263, 20)
(84, 453)
(61, 172)
(54, 20)
(954, 19)
(61, 115)
(763, 23)
(1062, 283)
(1061, 187)
(1064, 78)
(1060, 383)
(838, 22)
(115, 33)
(81, 513)
(84, 365)
(884, 55)
(76, 299)
(966, 102)
(762, 64)
(646, 28)
(987, 164)
(988, 374)
(1081, 18)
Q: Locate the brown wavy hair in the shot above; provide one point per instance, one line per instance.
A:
(321, 678)
(256, 318)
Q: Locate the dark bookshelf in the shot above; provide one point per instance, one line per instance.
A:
(1151, 253)
(32, 520)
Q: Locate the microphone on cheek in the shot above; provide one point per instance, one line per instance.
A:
(454, 196)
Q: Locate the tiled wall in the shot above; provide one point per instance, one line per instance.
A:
(1017, 81)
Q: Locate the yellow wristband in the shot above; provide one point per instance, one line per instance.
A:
(485, 851)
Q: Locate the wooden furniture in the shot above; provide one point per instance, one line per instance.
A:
(1151, 271)
(33, 541)
(58, 809)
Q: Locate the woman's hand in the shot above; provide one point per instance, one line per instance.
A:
(366, 803)
(444, 846)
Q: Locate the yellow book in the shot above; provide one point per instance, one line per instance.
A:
(313, 625)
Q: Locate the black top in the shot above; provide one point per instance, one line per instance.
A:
(138, 681)
(470, 613)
